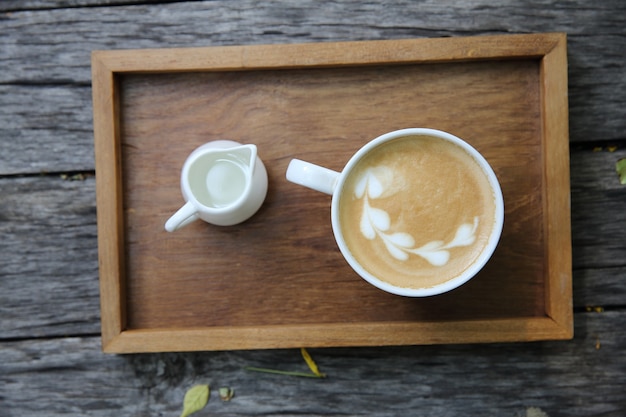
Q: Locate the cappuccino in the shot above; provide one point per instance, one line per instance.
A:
(416, 211)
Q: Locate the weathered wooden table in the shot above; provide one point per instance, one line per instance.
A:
(50, 349)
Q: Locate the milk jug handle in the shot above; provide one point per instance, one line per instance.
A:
(185, 215)
(312, 176)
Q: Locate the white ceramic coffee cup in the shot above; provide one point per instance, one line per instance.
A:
(331, 182)
(223, 183)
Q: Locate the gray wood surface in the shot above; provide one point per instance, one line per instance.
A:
(49, 264)
(46, 128)
(50, 47)
(50, 358)
(586, 378)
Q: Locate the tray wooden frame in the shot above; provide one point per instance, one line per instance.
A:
(107, 66)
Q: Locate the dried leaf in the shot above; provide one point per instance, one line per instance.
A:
(315, 373)
(620, 167)
(279, 372)
(195, 399)
(312, 365)
(226, 393)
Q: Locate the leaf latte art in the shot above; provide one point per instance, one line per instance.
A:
(413, 211)
(376, 222)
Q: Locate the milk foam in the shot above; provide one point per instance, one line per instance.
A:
(416, 211)
(375, 222)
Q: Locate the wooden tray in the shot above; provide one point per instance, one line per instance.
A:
(278, 280)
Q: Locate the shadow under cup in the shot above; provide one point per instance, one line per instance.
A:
(417, 212)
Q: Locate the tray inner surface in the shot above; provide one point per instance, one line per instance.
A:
(283, 266)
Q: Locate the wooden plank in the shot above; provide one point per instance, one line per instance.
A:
(581, 377)
(48, 257)
(53, 46)
(336, 54)
(180, 24)
(39, 129)
(56, 135)
(60, 217)
(598, 202)
(109, 200)
(556, 180)
(599, 286)
(338, 335)
(45, 129)
(22, 5)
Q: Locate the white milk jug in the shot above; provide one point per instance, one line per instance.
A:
(223, 183)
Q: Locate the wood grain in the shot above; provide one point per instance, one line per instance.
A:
(556, 185)
(60, 206)
(54, 46)
(109, 199)
(169, 279)
(27, 308)
(49, 294)
(48, 57)
(578, 378)
(48, 257)
(45, 129)
(598, 215)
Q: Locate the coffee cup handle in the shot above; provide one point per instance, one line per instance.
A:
(185, 215)
(312, 176)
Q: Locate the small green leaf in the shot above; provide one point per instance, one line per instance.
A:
(196, 398)
(620, 167)
(226, 393)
